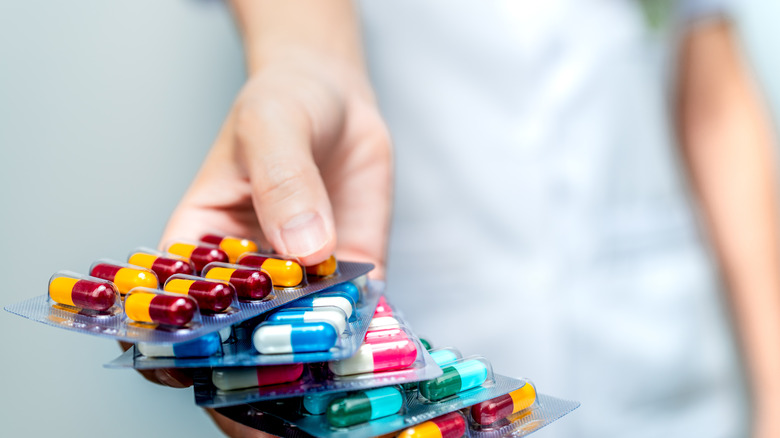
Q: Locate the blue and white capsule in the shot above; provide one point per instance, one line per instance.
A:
(328, 299)
(302, 337)
(204, 346)
(348, 288)
(332, 314)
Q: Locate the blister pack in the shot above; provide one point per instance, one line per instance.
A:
(367, 413)
(545, 410)
(129, 302)
(323, 326)
(395, 358)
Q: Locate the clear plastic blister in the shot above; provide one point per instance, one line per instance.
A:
(89, 296)
(198, 253)
(494, 413)
(544, 411)
(152, 309)
(318, 379)
(252, 284)
(162, 264)
(214, 297)
(240, 351)
(116, 327)
(124, 276)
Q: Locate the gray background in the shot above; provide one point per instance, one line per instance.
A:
(106, 110)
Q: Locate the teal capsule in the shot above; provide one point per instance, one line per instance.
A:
(425, 343)
(364, 406)
(457, 377)
(317, 404)
(444, 356)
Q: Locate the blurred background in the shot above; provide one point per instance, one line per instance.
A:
(106, 111)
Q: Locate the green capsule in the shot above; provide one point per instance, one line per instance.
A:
(364, 406)
(426, 344)
(457, 377)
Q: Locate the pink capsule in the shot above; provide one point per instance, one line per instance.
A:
(392, 355)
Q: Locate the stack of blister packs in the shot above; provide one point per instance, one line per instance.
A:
(288, 349)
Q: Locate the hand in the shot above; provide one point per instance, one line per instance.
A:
(303, 157)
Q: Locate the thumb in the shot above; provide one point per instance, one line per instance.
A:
(289, 196)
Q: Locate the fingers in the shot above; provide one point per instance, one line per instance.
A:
(174, 378)
(290, 199)
(218, 200)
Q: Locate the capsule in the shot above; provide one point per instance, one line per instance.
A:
(250, 283)
(323, 269)
(383, 322)
(333, 315)
(200, 256)
(426, 343)
(457, 377)
(124, 276)
(82, 291)
(444, 356)
(213, 296)
(317, 404)
(378, 336)
(234, 247)
(451, 425)
(150, 306)
(369, 358)
(382, 308)
(162, 266)
(305, 337)
(331, 299)
(364, 406)
(228, 379)
(490, 411)
(203, 346)
(284, 273)
(348, 288)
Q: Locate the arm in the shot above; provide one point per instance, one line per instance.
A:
(729, 148)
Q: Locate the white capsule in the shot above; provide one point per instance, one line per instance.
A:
(383, 322)
(155, 350)
(224, 333)
(234, 378)
(361, 362)
(273, 339)
(301, 337)
(340, 302)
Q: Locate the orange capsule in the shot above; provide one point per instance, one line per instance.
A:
(284, 273)
(233, 246)
(124, 276)
(199, 255)
(328, 267)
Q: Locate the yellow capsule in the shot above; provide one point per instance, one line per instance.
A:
(284, 273)
(123, 276)
(234, 247)
(328, 267)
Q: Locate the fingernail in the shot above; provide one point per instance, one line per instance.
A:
(304, 234)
